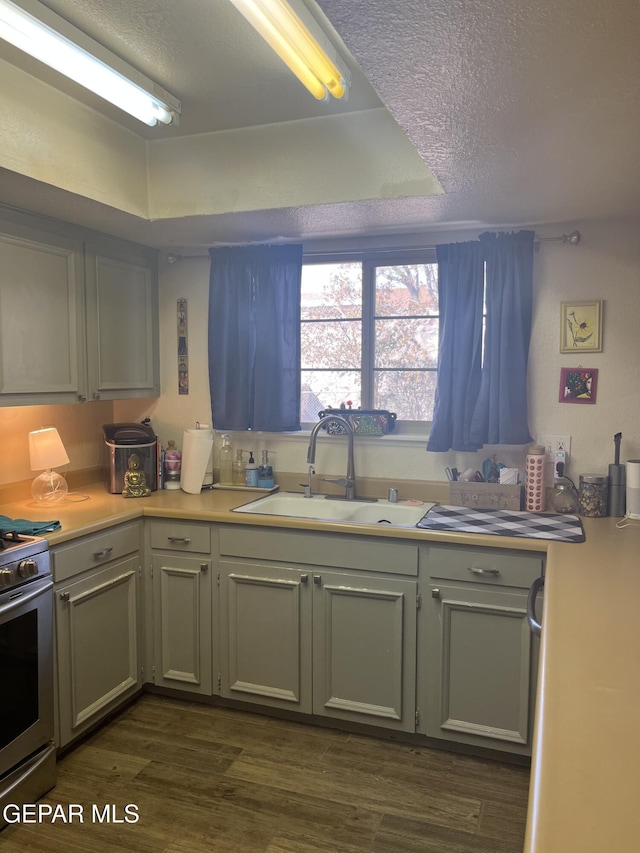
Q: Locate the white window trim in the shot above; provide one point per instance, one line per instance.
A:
(405, 432)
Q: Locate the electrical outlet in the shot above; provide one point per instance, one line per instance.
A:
(556, 443)
(558, 449)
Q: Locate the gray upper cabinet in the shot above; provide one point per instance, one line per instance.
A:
(42, 326)
(78, 315)
(122, 323)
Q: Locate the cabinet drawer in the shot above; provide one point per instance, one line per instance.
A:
(92, 551)
(176, 536)
(319, 549)
(484, 565)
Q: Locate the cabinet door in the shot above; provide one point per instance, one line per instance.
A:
(97, 645)
(364, 640)
(182, 622)
(122, 325)
(42, 331)
(475, 673)
(265, 635)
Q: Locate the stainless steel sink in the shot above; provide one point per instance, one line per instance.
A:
(293, 505)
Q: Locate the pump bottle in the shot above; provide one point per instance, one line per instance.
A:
(251, 472)
(265, 473)
(226, 462)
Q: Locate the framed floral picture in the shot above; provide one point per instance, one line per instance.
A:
(581, 326)
(578, 385)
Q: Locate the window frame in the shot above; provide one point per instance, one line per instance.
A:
(370, 260)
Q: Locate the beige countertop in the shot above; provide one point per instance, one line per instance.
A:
(585, 778)
(92, 508)
(585, 767)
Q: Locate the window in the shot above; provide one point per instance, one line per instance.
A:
(370, 334)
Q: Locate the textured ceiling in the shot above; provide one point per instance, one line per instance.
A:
(525, 112)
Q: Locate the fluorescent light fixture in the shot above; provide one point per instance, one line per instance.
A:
(292, 39)
(52, 40)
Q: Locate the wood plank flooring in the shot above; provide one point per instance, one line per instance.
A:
(214, 779)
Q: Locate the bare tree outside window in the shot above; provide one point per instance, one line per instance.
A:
(369, 337)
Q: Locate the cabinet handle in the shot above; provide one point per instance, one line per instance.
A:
(204, 567)
(96, 395)
(304, 578)
(477, 571)
(317, 579)
(82, 398)
(534, 589)
(64, 596)
(100, 555)
(184, 539)
(435, 593)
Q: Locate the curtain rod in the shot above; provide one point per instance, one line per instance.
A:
(573, 239)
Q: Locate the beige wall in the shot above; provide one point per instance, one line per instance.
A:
(80, 428)
(605, 266)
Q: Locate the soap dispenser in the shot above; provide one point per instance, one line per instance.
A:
(226, 462)
(265, 473)
(251, 472)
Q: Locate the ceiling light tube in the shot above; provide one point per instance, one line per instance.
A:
(137, 96)
(294, 43)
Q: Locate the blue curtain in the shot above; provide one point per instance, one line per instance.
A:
(501, 415)
(481, 396)
(254, 337)
(460, 295)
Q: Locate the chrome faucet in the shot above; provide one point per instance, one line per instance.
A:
(349, 482)
(308, 492)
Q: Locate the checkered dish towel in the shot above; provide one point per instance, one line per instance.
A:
(504, 522)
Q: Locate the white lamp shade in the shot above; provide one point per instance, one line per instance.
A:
(46, 449)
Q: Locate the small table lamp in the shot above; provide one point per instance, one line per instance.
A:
(46, 451)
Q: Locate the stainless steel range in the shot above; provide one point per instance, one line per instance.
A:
(27, 749)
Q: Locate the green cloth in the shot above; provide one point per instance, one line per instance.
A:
(28, 528)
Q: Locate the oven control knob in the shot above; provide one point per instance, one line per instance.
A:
(6, 577)
(27, 568)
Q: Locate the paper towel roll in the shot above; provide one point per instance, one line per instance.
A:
(196, 450)
(633, 488)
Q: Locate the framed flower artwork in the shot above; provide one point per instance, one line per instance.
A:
(578, 385)
(581, 326)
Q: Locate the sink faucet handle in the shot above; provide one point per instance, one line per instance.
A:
(393, 496)
(338, 481)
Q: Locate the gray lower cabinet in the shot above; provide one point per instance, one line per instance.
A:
(181, 611)
(364, 631)
(98, 618)
(265, 635)
(477, 659)
(331, 640)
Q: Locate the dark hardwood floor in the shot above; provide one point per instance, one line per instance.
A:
(214, 779)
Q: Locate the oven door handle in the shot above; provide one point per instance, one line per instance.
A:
(534, 589)
(25, 597)
(29, 770)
